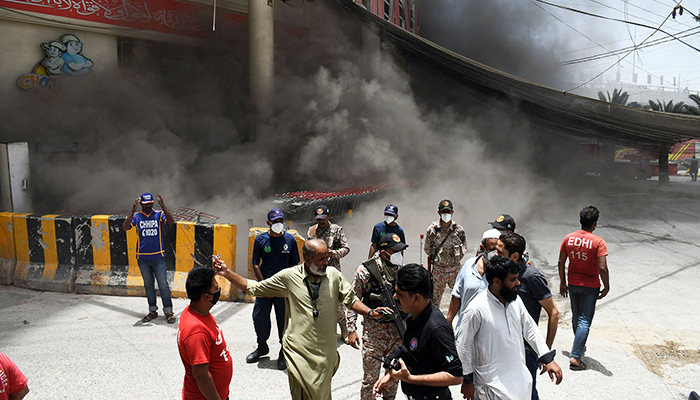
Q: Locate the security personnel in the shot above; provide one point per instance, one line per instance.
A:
(446, 245)
(378, 338)
(427, 363)
(273, 251)
(337, 244)
(388, 226)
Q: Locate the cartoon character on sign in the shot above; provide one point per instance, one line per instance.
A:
(75, 63)
(62, 58)
(54, 62)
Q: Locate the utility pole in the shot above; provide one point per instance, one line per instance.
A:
(261, 23)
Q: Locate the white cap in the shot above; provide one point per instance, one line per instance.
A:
(491, 234)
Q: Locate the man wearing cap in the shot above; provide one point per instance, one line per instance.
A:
(471, 279)
(338, 248)
(445, 244)
(151, 252)
(389, 225)
(378, 337)
(273, 251)
(504, 223)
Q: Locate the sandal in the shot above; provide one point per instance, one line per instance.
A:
(149, 317)
(171, 318)
(579, 367)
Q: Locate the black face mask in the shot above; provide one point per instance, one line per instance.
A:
(216, 296)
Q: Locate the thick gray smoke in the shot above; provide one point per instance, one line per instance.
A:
(512, 36)
(343, 119)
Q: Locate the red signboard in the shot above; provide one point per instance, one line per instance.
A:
(155, 15)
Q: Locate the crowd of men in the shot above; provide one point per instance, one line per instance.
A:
(494, 350)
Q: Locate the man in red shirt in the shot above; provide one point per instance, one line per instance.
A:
(13, 383)
(200, 340)
(587, 254)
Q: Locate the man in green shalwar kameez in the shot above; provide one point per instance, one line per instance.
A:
(312, 294)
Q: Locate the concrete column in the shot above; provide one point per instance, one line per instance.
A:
(261, 23)
(663, 164)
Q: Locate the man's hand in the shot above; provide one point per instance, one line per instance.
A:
(382, 384)
(468, 390)
(159, 199)
(603, 293)
(354, 339)
(563, 289)
(553, 370)
(135, 207)
(379, 312)
(219, 266)
(400, 375)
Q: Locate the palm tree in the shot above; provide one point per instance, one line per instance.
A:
(694, 110)
(679, 108)
(618, 97)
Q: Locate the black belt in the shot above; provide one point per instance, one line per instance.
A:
(441, 394)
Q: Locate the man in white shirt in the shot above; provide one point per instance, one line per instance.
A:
(490, 342)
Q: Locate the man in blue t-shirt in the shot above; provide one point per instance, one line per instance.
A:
(273, 251)
(150, 252)
(389, 225)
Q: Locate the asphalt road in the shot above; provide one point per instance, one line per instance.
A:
(643, 344)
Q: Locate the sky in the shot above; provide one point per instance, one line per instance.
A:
(541, 42)
(590, 36)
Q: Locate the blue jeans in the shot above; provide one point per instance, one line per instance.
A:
(531, 364)
(583, 301)
(261, 318)
(149, 269)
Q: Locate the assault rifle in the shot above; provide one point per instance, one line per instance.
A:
(386, 297)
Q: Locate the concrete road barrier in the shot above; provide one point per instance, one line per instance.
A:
(8, 260)
(45, 252)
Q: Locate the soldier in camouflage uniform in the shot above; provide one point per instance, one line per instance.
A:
(378, 338)
(445, 244)
(338, 248)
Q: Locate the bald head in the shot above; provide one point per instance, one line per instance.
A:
(315, 255)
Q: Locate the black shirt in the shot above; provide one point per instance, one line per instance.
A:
(533, 289)
(428, 347)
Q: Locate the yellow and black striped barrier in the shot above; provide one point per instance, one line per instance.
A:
(106, 255)
(252, 234)
(44, 252)
(8, 260)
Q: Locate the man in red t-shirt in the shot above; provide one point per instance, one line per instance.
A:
(13, 383)
(200, 340)
(587, 254)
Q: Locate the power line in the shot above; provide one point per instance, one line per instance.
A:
(630, 52)
(623, 21)
(655, 42)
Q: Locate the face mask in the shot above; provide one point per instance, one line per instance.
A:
(317, 269)
(277, 227)
(446, 217)
(216, 297)
(389, 219)
(396, 258)
(490, 254)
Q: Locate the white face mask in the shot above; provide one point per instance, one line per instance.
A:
(317, 269)
(277, 227)
(389, 219)
(446, 217)
(396, 258)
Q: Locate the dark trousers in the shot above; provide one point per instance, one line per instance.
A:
(261, 318)
(531, 363)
